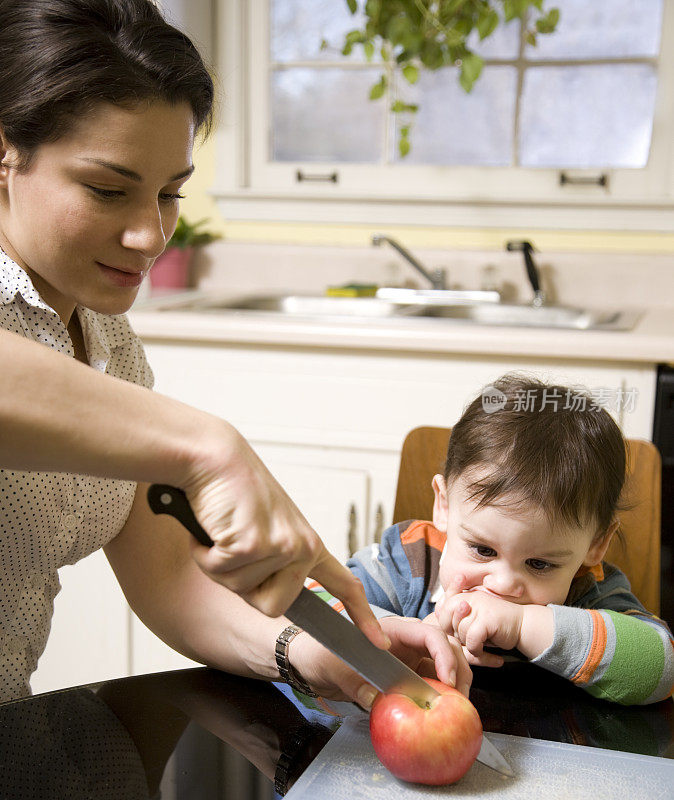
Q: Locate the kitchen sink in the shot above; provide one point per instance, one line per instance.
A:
(536, 316)
(316, 306)
(451, 307)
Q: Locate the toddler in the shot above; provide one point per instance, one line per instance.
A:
(513, 559)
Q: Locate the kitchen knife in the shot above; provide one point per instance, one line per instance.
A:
(379, 667)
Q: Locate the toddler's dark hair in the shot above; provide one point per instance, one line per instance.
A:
(544, 445)
(59, 58)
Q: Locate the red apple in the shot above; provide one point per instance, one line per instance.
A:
(433, 744)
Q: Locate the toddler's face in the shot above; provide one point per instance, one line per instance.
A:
(510, 551)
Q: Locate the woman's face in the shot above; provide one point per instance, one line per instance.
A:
(95, 208)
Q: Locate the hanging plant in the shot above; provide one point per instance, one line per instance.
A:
(412, 35)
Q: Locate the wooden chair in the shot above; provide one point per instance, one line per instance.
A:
(423, 456)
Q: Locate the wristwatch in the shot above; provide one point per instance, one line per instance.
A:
(286, 671)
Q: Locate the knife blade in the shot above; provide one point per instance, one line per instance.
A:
(335, 632)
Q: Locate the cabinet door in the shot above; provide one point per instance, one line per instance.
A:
(334, 499)
(89, 634)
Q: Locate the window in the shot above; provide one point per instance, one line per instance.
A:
(582, 120)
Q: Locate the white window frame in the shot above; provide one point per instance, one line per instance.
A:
(250, 187)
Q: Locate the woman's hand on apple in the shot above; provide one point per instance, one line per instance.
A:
(429, 651)
(424, 648)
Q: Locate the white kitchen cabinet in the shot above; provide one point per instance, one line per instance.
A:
(329, 424)
(89, 639)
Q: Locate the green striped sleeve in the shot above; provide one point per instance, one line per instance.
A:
(638, 664)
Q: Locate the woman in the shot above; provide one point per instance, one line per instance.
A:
(100, 101)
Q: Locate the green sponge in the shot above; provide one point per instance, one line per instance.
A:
(352, 290)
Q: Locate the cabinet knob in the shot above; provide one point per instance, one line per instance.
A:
(352, 533)
(378, 523)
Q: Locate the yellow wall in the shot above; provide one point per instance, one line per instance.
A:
(199, 204)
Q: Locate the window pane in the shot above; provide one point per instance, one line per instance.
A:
(504, 42)
(298, 26)
(602, 28)
(453, 127)
(326, 115)
(579, 117)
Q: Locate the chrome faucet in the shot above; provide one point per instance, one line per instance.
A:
(437, 278)
(532, 272)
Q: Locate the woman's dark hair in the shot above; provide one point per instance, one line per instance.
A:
(59, 58)
(544, 445)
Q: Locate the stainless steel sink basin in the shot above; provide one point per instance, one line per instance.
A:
(536, 317)
(316, 306)
(461, 310)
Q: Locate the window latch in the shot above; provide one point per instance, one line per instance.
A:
(328, 177)
(583, 180)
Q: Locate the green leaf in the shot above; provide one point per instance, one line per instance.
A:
(487, 24)
(411, 73)
(400, 106)
(548, 23)
(463, 27)
(368, 47)
(471, 67)
(397, 29)
(431, 55)
(404, 146)
(378, 89)
(530, 38)
(509, 10)
(354, 37)
(353, 6)
(324, 44)
(187, 234)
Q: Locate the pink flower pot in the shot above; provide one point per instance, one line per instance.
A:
(171, 270)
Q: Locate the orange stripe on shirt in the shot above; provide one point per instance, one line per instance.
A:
(424, 530)
(597, 649)
(597, 572)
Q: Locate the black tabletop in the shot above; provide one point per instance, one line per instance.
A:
(204, 734)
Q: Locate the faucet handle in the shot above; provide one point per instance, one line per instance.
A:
(527, 249)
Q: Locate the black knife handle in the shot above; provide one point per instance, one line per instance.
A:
(164, 499)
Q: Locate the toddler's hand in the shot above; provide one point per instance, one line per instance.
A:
(477, 618)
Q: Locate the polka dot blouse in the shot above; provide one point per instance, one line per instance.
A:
(48, 519)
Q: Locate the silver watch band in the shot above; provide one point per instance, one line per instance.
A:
(286, 671)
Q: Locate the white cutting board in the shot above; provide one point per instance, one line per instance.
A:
(348, 768)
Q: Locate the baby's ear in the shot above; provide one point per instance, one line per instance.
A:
(595, 555)
(440, 506)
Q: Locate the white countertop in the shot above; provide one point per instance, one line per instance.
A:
(650, 341)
